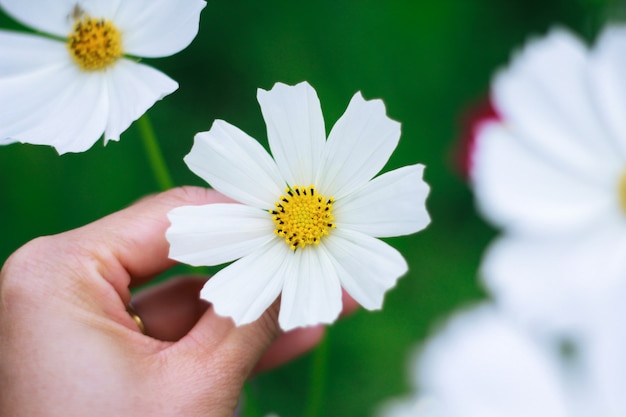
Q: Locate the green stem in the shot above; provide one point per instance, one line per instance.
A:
(155, 155)
(317, 384)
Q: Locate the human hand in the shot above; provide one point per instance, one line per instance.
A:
(68, 346)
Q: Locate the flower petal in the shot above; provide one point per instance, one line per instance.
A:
(27, 64)
(158, 28)
(545, 96)
(245, 289)
(481, 365)
(312, 292)
(217, 233)
(295, 130)
(133, 88)
(106, 9)
(367, 267)
(54, 105)
(605, 359)
(236, 165)
(518, 189)
(392, 204)
(608, 83)
(54, 17)
(22, 53)
(358, 147)
(561, 282)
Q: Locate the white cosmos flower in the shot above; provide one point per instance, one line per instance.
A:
(484, 364)
(309, 218)
(84, 79)
(552, 173)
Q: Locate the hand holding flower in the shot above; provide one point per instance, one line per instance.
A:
(69, 347)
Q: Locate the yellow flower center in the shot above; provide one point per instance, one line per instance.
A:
(94, 44)
(622, 191)
(302, 216)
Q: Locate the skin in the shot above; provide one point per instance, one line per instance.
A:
(68, 347)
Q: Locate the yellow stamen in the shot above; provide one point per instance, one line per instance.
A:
(94, 44)
(302, 216)
(622, 191)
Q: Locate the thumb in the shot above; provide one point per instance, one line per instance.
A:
(216, 358)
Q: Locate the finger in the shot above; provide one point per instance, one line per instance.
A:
(169, 310)
(348, 303)
(289, 346)
(130, 246)
(213, 330)
(295, 343)
(216, 357)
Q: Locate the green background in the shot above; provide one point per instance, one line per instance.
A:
(428, 60)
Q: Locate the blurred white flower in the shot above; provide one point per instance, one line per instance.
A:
(482, 364)
(83, 79)
(552, 173)
(310, 216)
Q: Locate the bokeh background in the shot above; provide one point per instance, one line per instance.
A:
(430, 61)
